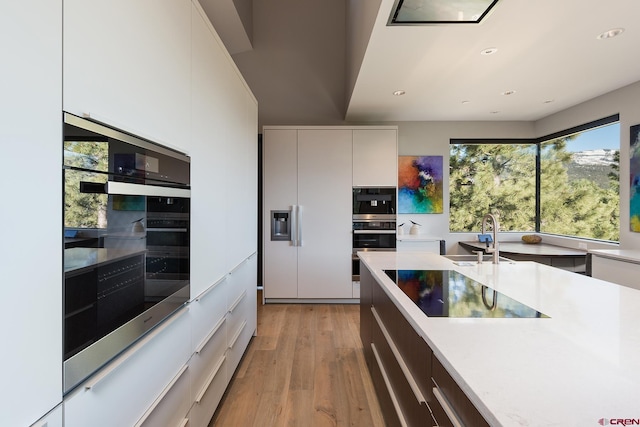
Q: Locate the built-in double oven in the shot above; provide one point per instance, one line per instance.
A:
(126, 242)
(374, 222)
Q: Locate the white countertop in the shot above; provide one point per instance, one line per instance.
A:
(629, 255)
(537, 249)
(417, 238)
(572, 369)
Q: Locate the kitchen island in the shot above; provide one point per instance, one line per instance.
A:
(574, 365)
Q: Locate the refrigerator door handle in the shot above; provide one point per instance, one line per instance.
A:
(299, 224)
(294, 225)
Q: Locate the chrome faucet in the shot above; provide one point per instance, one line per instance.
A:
(494, 249)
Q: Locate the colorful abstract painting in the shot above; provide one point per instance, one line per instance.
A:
(634, 172)
(420, 184)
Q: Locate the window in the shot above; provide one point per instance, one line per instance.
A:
(579, 184)
(566, 183)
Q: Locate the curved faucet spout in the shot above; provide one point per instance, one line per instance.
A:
(494, 249)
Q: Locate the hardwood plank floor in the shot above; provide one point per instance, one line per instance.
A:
(305, 368)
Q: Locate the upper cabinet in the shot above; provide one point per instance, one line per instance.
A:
(127, 63)
(375, 157)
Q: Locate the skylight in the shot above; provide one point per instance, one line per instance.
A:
(416, 12)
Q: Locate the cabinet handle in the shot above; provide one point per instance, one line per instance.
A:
(299, 224)
(162, 395)
(237, 335)
(210, 288)
(89, 385)
(448, 410)
(237, 301)
(387, 383)
(403, 366)
(184, 422)
(210, 379)
(204, 342)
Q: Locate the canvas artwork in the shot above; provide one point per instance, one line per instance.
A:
(420, 184)
(634, 173)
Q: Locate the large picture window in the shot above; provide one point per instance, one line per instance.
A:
(565, 184)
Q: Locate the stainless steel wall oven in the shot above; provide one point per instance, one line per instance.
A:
(371, 233)
(126, 242)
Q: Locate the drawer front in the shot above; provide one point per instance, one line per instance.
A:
(207, 356)
(408, 403)
(453, 403)
(172, 406)
(237, 314)
(207, 309)
(208, 398)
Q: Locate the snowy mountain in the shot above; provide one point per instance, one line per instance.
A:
(594, 157)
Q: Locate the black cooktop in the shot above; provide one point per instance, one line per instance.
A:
(448, 293)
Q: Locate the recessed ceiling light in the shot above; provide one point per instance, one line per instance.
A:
(465, 102)
(494, 112)
(508, 92)
(548, 101)
(399, 92)
(610, 33)
(489, 51)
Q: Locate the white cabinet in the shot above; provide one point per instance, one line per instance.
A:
(127, 63)
(123, 392)
(617, 266)
(312, 169)
(52, 419)
(375, 157)
(30, 133)
(224, 320)
(417, 243)
(172, 406)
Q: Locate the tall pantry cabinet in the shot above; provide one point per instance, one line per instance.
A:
(308, 176)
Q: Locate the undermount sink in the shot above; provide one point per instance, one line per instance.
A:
(474, 258)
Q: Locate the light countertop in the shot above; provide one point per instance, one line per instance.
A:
(572, 369)
(628, 255)
(538, 249)
(417, 238)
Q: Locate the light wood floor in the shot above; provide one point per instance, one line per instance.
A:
(305, 368)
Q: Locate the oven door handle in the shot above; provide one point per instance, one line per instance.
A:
(374, 232)
(126, 188)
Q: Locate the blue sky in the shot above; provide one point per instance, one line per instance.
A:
(604, 137)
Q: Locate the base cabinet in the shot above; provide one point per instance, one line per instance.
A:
(412, 386)
(624, 272)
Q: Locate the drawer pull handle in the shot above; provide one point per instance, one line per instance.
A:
(184, 422)
(210, 379)
(403, 366)
(162, 395)
(447, 408)
(210, 288)
(211, 334)
(387, 383)
(131, 351)
(237, 301)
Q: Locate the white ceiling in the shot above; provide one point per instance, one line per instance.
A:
(547, 51)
